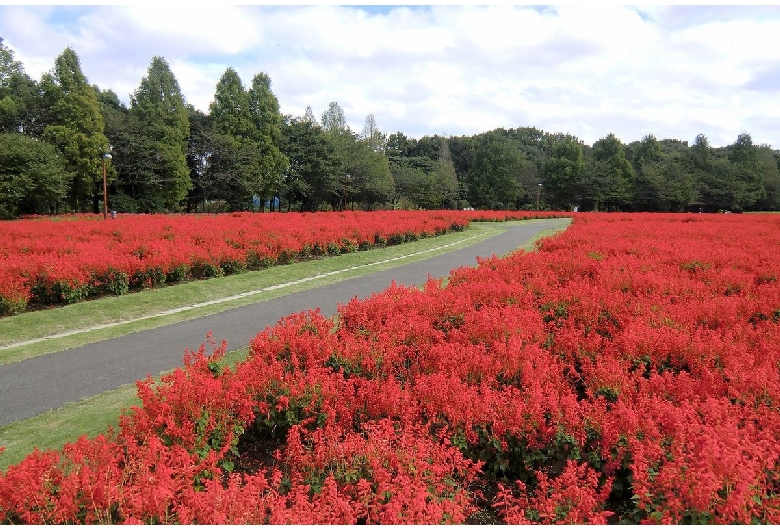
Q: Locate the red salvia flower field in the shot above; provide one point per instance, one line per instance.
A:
(628, 371)
(46, 262)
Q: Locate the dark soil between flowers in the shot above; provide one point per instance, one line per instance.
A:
(258, 454)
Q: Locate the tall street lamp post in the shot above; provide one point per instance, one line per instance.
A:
(106, 158)
(538, 190)
(347, 180)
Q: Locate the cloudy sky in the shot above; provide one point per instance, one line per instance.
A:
(588, 70)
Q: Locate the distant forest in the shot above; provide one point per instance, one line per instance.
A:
(56, 136)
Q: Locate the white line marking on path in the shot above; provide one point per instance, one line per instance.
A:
(227, 298)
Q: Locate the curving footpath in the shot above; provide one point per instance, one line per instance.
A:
(39, 384)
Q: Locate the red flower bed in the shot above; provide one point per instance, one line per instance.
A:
(50, 262)
(625, 372)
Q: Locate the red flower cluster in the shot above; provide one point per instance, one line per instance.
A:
(625, 372)
(65, 260)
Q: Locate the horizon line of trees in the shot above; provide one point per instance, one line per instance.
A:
(243, 154)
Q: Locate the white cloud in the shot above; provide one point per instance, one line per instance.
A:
(202, 29)
(673, 71)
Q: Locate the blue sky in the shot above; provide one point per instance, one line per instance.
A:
(589, 70)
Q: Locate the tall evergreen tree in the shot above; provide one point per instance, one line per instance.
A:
(309, 115)
(375, 138)
(234, 144)
(164, 121)
(333, 120)
(75, 128)
(230, 109)
(444, 190)
(342, 140)
(270, 163)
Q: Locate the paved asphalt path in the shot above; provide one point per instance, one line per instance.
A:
(37, 385)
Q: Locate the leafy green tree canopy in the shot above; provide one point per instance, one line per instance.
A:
(311, 179)
(17, 92)
(563, 173)
(493, 178)
(610, 178)
(32, 176)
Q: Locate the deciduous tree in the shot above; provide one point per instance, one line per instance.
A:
(768, 160)
(562, 174)
(311, 179)
(744, 155)
(33, 179)
(371, 182)
(19, 96)
(492, 180)
(610, 178)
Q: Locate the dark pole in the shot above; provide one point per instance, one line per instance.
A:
(346, 183)
(538, 190)
(105, 191)
(106, 158)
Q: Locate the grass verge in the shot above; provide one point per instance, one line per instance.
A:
(94, 415)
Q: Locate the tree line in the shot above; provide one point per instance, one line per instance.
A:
(243, 154)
